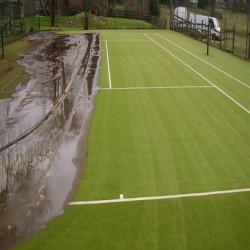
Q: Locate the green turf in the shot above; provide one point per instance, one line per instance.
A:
(151, 142)
(12, 73)
(95, 22)
(156, 142)
(219, 222)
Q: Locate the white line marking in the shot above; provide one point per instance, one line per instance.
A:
(110, 84)
(135, 40)
(220, 70)
(199, 74)
(160, 87)
(121, 33)
(121, 197)
(164, 197)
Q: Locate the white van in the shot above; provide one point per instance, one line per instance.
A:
(181, 12)
(180, 16)
(199, 20)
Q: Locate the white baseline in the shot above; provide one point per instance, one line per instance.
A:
(164, 197)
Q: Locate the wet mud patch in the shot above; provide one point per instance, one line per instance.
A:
(43, 127)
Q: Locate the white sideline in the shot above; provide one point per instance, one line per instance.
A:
(199, 74)
(159, 87)
(110, 83)
(164, 197)
(211, 65)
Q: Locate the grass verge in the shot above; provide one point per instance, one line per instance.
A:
(12, 73)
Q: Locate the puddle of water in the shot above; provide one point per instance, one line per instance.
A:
(45, 125)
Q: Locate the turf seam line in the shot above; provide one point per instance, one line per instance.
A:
(199, 74)
(160, 87)
(164, 197)
(211, 65)
(110, 83)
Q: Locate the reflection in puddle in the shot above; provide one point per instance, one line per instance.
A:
(42, 132)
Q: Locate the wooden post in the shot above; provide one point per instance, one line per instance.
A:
(248, 33)
(225, 40)
(86, 14)
(248, 57)
(171, 16)
(208, 38)
(233, 39)
(248, 45)
(53, 14)
(2, 41)
(220, 39)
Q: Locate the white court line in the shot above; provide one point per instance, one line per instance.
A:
(164, 197)
(199, 74)
(159, 87)
(211, 65)
(135, 40)
(110, 83)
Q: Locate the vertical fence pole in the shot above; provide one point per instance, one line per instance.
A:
(39, 23)
(86, 14)
(233, 39)
(225, 40)
(143, 14)
(220, 39)
(208, 38)
(248, 46)
(2, 41)
(247, 33)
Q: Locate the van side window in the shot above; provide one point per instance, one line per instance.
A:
(211, 23)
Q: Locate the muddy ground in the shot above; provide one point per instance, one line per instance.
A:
(43, 129)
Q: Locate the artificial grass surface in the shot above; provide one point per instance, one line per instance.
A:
(218, 222)
(150, 142)
(158, 142)
(225, 71)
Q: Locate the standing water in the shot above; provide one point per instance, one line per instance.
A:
(43, 128)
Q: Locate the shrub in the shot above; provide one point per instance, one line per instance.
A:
(154, 7)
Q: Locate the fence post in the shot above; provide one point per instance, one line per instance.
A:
(171, 16)
(225, 40)
(220, 39)
(248, 33)
(233, 39)
(86, 14)
(39, 23)
(248, 46)
(208, 38)
(2, 41)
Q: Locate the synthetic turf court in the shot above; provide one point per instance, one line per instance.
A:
(168, 150)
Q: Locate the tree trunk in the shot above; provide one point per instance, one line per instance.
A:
(53, 16)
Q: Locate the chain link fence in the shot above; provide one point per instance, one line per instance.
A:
(143, 21)
(17, 19)
(233, 20)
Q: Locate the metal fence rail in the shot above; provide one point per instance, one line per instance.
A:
(157, 22)
(226, 40)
